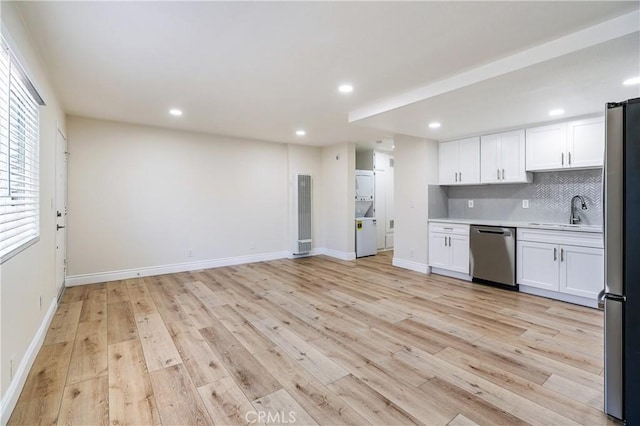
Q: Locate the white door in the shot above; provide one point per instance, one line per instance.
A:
(61, 212)
(512, 160)
(459, 252)
(581, 271)
(448, 162)
(585, 143)
(380, 204)
(469, 160)
(438, 251)
(389, 222)
(546, 146)
(489, 154)
(538, 265)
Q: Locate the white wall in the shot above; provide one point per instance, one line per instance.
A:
(30, 275)
(416, 166)
(338, 200)
(306, 160)
(142, 197)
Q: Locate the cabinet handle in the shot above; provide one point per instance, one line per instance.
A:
(456, 176)
(569, 158)
(502, 174)
(562, 158)
(460, 176)
(445, 241)
(561, 255)
(449, 241)
(498, 175)
(555, 254)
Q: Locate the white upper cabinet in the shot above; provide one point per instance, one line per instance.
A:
(502, 158)
(459, 162)
(567, 145)
(585, 142)
(546, 146)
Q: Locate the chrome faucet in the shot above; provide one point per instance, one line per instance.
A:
(574, 218)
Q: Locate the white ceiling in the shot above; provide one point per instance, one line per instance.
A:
(261, 70)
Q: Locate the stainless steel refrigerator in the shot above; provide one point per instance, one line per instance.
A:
(622, 269)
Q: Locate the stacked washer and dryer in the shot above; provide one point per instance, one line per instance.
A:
(366, 236)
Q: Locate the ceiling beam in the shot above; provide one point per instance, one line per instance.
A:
(600, 33)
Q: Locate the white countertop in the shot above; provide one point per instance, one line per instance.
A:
(522, 224)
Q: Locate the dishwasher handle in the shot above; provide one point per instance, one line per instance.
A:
(499, 231)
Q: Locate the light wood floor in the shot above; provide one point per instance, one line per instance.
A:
(317, 341)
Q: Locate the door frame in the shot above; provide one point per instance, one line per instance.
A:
(60, 185)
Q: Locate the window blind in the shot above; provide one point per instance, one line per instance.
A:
(19, 157)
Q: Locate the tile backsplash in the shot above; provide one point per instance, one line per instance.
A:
(549, 198)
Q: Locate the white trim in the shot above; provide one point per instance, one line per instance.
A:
(342, 255)
(600, 33)
(452, 274)
(10, 398)
(570, 298)
(148, 271)
(410, 265)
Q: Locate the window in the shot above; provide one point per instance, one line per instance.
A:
(19, 169)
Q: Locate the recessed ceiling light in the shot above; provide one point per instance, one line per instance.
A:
(631, 81)
(434, 125)
(393, 147)
(300, 132)
(558, 111)
(345, 88)
(175, 112)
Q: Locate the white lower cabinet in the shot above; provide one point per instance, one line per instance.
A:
(449, 247)
(582, 271)
(538, 265)
(564, 262)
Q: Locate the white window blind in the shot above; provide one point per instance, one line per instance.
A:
(19, 168)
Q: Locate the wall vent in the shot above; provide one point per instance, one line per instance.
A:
(302, 200)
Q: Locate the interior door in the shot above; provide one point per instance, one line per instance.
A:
(61, 212)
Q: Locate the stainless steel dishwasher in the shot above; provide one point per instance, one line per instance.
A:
(493, 254)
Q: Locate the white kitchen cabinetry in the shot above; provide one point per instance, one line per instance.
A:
(568, 145)
(502, 158)
(585, 143)
(561, 263)
(449, 247)
(459, 162)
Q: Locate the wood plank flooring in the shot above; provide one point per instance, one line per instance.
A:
(314, 341)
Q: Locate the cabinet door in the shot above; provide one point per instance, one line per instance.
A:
(545, 147)
(459, 253)
(489, 155)
(512, 157)
(469, 160)
(538, 265)
(585, 142)
(438, 251)
(448, 162)
(581, 271)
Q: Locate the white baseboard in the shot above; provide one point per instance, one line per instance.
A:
(342, 255)
(10, 397)
(101, 277)
(576, 300)
(408, 264)
(452, 274)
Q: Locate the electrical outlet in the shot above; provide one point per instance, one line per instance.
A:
(525, 204)
(190, 253)
(470, 203)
